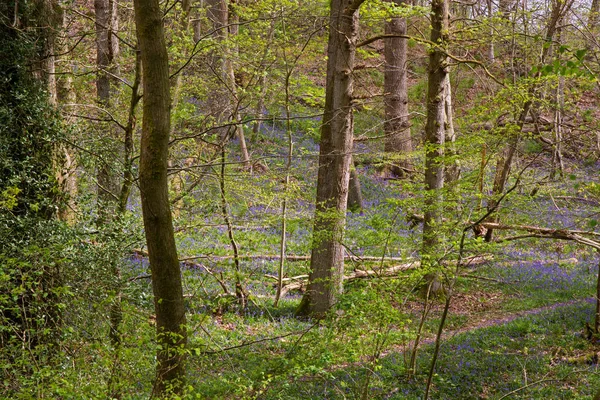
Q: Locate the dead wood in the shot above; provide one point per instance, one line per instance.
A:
(547, 233)
(301, 280)
(291, 257)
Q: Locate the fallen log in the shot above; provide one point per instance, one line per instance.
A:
(291, 257)
(301, 282)
(357, 274)
(288, 257)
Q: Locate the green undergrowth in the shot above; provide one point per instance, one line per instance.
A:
(541, 356)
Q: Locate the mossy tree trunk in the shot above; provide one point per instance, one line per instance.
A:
(327, 257)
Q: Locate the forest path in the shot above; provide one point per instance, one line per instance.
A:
(501, 318)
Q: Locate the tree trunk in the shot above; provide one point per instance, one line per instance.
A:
(435, 132)
(396, 125)
(50, 22)
(452, 172)
(355, 199)
(158, 225)
(490, 15)
(438, 121)
(592, 25)
(327, 257)
(262, 83)
(177, 181)
(106, 50)
(225, 99)
(66, 175)
(557, 165)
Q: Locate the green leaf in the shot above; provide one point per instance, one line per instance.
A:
(580, 54)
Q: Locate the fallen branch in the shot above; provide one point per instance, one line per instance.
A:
(546, 233)
(293, 278)
(579, 199)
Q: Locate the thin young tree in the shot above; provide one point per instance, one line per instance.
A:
(164, 265)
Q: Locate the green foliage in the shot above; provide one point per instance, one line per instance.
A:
(33, 294)
(532, 147)
(71, 278)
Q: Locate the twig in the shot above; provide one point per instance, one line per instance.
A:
(538, 382)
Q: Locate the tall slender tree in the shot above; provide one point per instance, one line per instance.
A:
(158, 225)
(438, 127)
(327, 258)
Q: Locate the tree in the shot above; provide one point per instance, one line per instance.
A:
(396, 124)
(225, 98)
(107, 49)
(335, 154)
(435, 129)
(592, 26)
(30, 278)
(506, 155)
(166, 277)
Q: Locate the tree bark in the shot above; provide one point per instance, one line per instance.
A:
(66, 175)
(490, 15)
(225, 99)
(557, 165)
(452, 168)
(355, 199)
(106, 51)
(435, 132)
(397, 125)
(327, 257)
(158, 225)
(592, 24)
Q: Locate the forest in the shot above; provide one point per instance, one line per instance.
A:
(285, 199)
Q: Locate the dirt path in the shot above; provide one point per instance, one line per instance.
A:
(504, 318)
